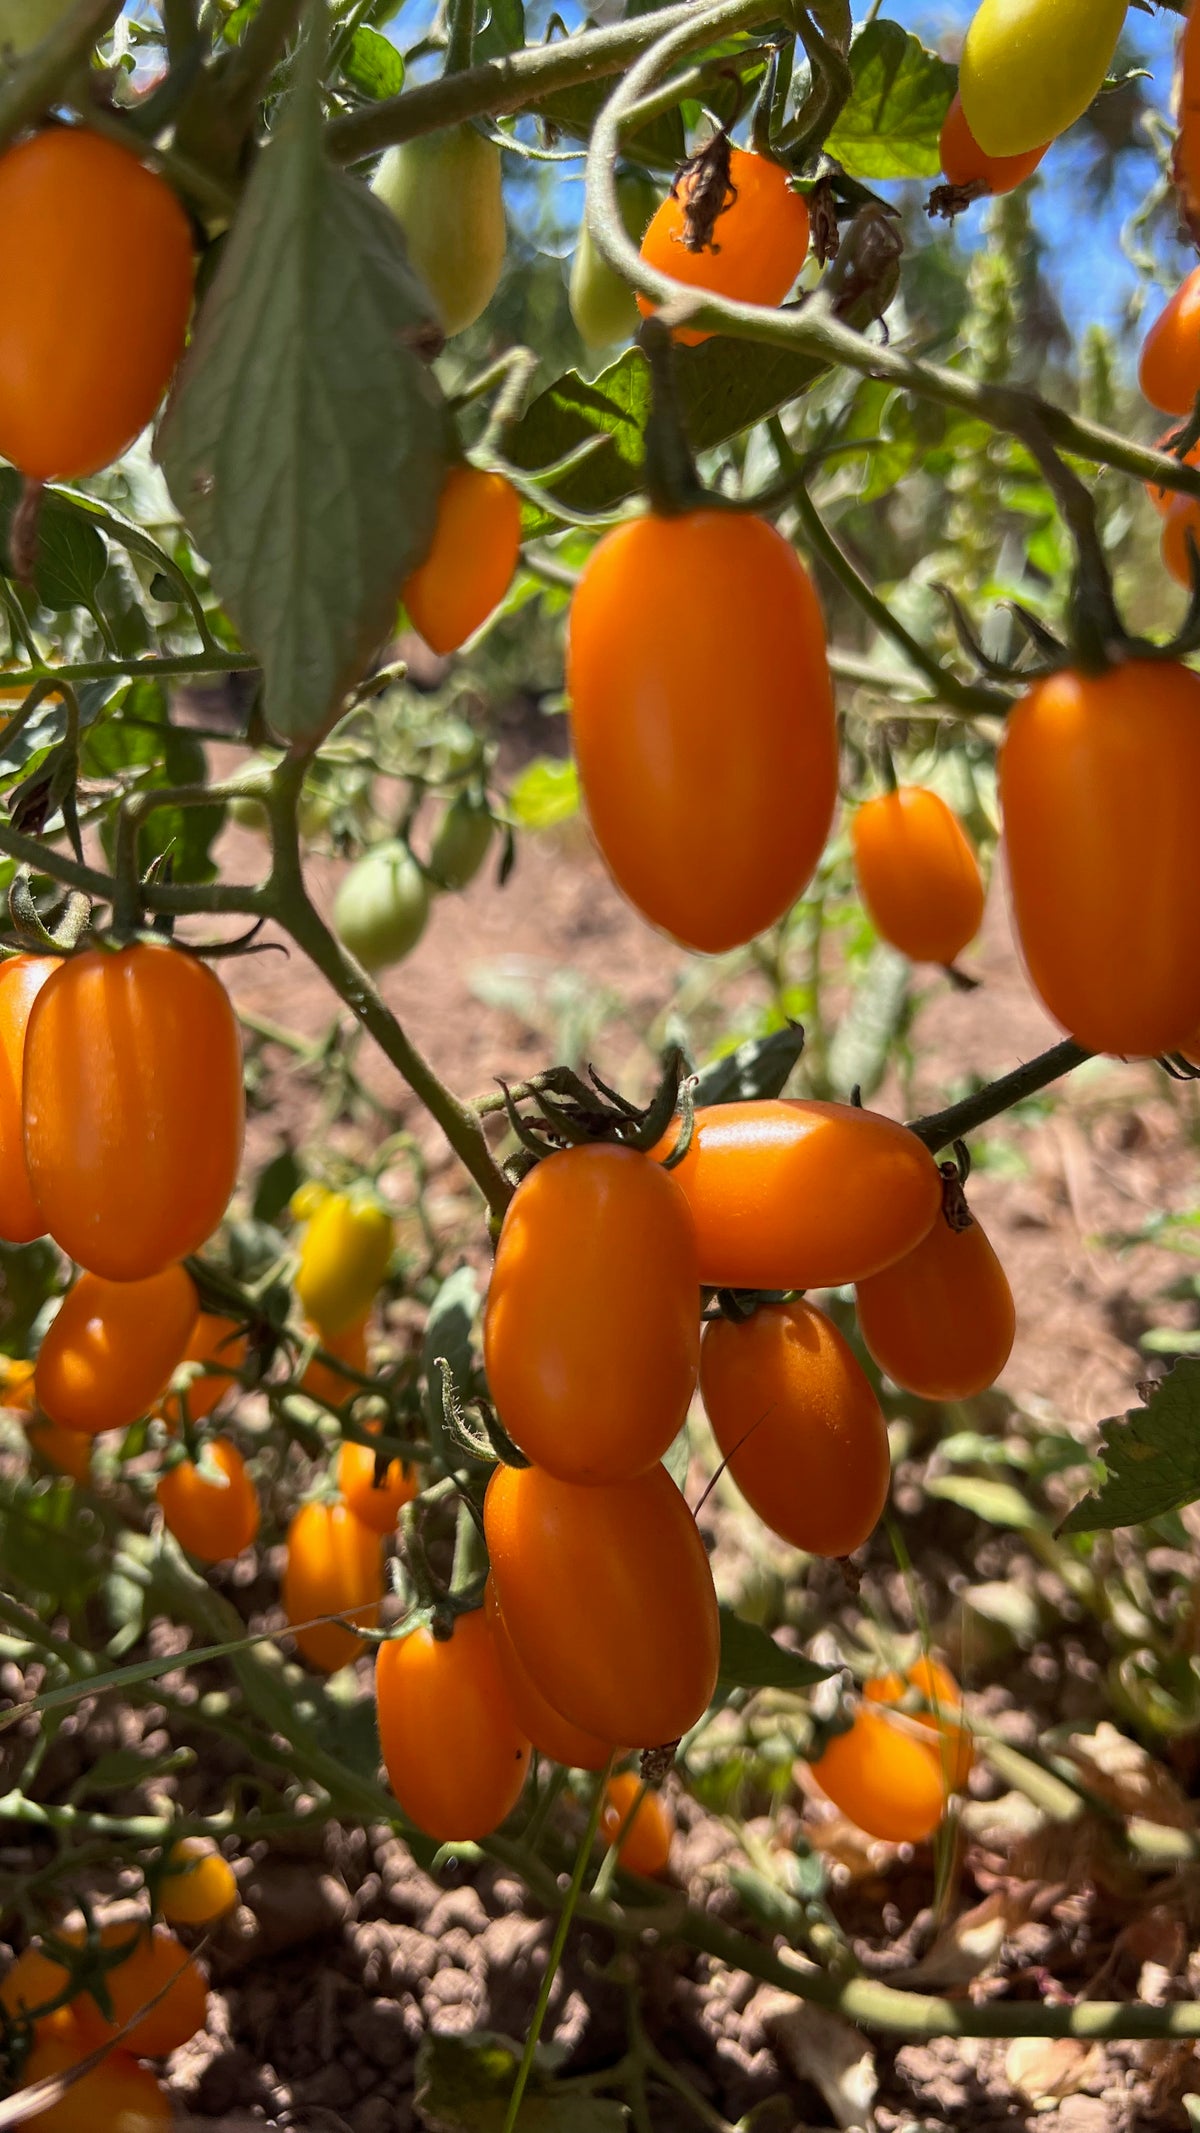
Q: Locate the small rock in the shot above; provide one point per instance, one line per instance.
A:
(458, 1907)
(378, 2028)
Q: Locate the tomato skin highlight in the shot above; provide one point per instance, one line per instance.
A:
(472, 561)
(155, 1958)
(1096, 776)
(760, 240)
(544, 1727)
(118, 2096)
(211, 1522)
(1028, 71)
(344, 1254)
(646, 1846)
(455, 1755)
(592, 1330)
(608, 1598)
(1169, 364)
(198, 1885)
(377, 1504)
(86, 361)
(917, 874)
(802, 1433)
(214, 1340)
(796, 1194)
(885, 1781)
(109, 1355)
(444, 190)
(334, 1567)
(965, 164)
(21, 980)
(941, 1321)
(133, 1105)
(703, 722)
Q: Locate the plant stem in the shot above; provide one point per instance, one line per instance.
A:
(570, 1902)
(942, 1128)
(462, 36)
(32, 86)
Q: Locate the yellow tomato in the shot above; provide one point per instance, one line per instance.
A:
(344, 1254)
(1030, 68)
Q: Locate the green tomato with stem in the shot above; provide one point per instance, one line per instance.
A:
(603, 306)
(382, 905)
(461, 842)
(444, 190)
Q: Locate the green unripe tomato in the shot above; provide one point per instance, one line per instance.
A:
(1030, 68)
(444, 190)
(461, 843)
(249, 812)
(381, 906)
(603, 306)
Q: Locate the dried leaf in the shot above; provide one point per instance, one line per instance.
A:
(1045, 2069)
(827, 2051)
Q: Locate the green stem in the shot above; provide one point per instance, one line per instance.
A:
(158, 668)
(942, 1128)
(461, 38)
(570, 1903)
(31, 87)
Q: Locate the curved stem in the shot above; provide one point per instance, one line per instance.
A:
(942, 1128)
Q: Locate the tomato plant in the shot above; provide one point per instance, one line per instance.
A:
(639, 1823)
(456, 1757)
(917, 874)
(603, 306)
(382, 905)
(479, 517)
(941, 1321)
(1028, 71)
(1169, 366)
(215, 1340)
(198, 1885)
(444, 190)
(150, 1964)
(756, 246)
(966, 165)
(344, 1252)
(333, 1567)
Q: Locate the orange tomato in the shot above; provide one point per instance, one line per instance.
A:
(1164, 499)
(796, 1194)
(65, 1449)
(592, 1332)
(108, 1356)
(198, 1885)
(1096, 780)
(798, 1426)
(941, 1321)
(87, 358)
(133, 1105)
(33, 1982)
(455, 1755)
(608, 1598)
(154, 1959)
(1169, 366)
(117, 2096)
(703, 721)
(884, 1780)
(377, 1502)
(334, 1567)
(1186, 165)
(943, 1720)
(21, 979)
(473, 559)
(965, 164)
(917, 874)
(645, 1847)
(214, 1340)
(16, 1385)
(213, 1520)
(325, 1383)
(1181, 531)
(758, 246)
(545, 1728)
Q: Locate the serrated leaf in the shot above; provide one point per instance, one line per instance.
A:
(758, 1068)
(372, 64)
(750, 1659)
(998, 1502)
(889, 128)
(1152, 1457)
(71, 556)
(305, 443)
(545, 793)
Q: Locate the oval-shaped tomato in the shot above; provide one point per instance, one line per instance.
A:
(935, 1688)
(759, 241)
(134, 1109)
(608, 1598)
(471, 563)
(444, 190)
(118, 2096)
(544, 1727)
(645, 1847)
(1096, 775)
(917, 874)
(214, 1340)
(604, 306)
(884, 1780)
(21, 980)
(800, 1430)
(1180, 535)
(108, 1356)
(212, 1518)
(86, 360)
(941, 1321)
(703, 721)
(462, 842)
(965, 165)
(344, 1256)
(1169, 364)
(1028, 71)
(796, 1194)
(334, 1567)
(382, 905)
(455, 1755)
(591, 1338)
(377, 1499)
(29, 1989)
(153, 1961)
(321, 1381)
(198, 1885)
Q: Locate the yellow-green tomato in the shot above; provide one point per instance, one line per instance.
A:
(1030, 68)
(444, 190)
(381, 906)
(461, 843)
(344, 1255)
(602, 305)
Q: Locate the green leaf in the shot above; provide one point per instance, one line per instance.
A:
(662, 144)
(29, 1276)
(448, 1333)
(752, 1660)
(305, 444)
(876, 1018)
(902, 92)
(139, 732)
(464, 2083)
(678, 1457)
(276, 1184)
(546, 792)
(373, 64)
(503, 31)
(758, 1068)
(1152, 1455)
(71, 556)
(997, 1502)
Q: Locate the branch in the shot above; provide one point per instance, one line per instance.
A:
(942, 1128)
(34, 84)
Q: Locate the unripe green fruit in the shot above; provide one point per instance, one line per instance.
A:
(461, 844)
(603, 306)
(381, 906)
(444, 190)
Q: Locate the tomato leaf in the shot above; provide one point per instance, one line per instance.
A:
(503, 31)
(902, 92)
(750, 1659)
(139, 732)
(876, 1018)
(1152, 1457)
(758, 1068)
(71, 556)
(372, 64)
(305, 444)
(998, 1503)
